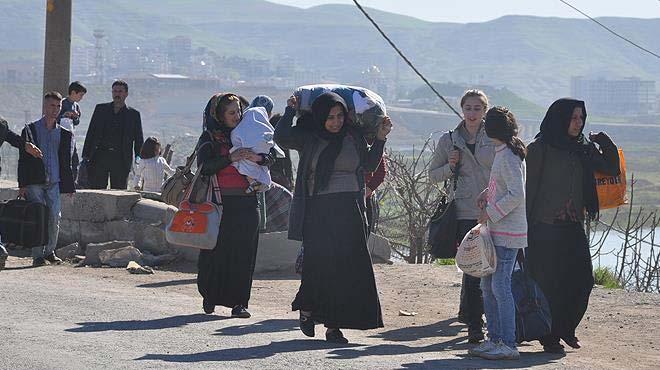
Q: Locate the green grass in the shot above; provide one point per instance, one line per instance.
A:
(605, 276)
(445, 262)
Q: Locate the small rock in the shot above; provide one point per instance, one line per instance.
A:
(407, 313)
(134, 268)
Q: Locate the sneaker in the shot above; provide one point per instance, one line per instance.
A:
(53, 259)
(306, 325)
(486, 346)
(501, 352)
(38, 262)
(240, 312)
(335, 336)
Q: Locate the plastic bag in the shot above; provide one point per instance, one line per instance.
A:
(476, 253)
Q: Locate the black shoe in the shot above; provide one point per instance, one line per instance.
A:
(475, 337)
(3, 260)
(554, 348)
(335, 336)
(306, 325)
(53, 259)
(240, 312)
(462, 318)
(572, 342)
(208, 307)
(38, 262)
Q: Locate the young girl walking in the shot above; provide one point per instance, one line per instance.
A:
(503, 210)
(151, 169)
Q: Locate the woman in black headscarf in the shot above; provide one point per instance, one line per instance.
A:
(338, 287)
(561, 196)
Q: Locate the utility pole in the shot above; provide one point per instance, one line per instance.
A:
(57, 55)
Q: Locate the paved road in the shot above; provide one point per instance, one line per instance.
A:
(61, 317)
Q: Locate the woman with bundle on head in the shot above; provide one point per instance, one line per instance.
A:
(469, 152)
(225, 273)
(338, 287)
(561, 196)
(503, 210)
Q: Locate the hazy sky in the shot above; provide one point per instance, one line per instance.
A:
(465, 11)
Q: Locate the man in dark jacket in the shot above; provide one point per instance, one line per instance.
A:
(43, 179)
(113, 136)
(16, 141)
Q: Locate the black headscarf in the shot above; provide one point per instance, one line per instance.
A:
(554, 132)
(326, 162)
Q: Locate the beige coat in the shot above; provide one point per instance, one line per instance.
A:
(473, 170)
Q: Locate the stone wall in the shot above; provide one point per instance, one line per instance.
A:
(94, 216)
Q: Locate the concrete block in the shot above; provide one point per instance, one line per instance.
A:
(276, 252)
(120, 230)
(93, 249)
(379, 248)
(120, 257)
(100, 205)
(92, 232)
(69, 232)
(151, 238)
(69, 251)
(152, 212)
(8, 193)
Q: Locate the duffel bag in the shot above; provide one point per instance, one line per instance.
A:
(24, 223)
(366, 108)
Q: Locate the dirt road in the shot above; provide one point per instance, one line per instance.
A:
(61, 317)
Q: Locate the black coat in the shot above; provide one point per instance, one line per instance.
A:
(131, 128)
(31, 170)
(306, 142)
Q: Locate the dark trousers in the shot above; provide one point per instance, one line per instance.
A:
(559, 260)
(108, 164)
(75, 161)
(471, 308)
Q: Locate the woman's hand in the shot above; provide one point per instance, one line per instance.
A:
(245, 153)
(454, 157)
(291, 102)
(384, 128)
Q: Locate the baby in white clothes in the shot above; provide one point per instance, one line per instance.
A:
(256, 133)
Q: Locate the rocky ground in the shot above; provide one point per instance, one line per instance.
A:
(58, 317)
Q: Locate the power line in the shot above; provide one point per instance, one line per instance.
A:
(611, 31)
(406, 59)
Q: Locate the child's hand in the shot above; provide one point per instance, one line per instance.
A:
(483, 217)
(482, 200)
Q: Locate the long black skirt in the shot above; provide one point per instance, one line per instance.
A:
(559, 259)
(225, 273)
(338, 284)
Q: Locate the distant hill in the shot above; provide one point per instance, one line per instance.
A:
(532, 56)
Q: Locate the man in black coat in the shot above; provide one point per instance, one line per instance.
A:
(16, 141)
(113, 136)
(44, 179)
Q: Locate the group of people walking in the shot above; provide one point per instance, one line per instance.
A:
(534, 199)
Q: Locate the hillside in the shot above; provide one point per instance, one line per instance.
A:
(532, 56)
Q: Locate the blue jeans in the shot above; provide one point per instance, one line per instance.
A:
(498, 299)
(50, 196)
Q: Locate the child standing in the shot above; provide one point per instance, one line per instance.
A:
(151, 169)
(70, 118)
(254, 132)
(503, 210)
